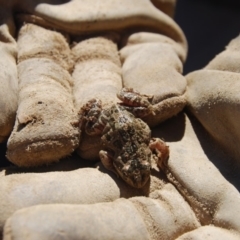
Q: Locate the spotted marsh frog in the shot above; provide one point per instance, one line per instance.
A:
(127, 146)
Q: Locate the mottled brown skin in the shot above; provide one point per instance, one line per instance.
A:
(125, 140)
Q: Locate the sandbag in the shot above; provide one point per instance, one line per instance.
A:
(8, 74)
(46, 126)
(213, 98)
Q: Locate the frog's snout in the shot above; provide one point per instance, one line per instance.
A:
(136, 174)
(140, 179)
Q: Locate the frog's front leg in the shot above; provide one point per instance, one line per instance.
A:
(107, 161)
(90, 117)
(140, 105)
(160, 150)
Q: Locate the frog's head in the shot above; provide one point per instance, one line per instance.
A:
(136, 171)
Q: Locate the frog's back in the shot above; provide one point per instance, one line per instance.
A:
(127, 128)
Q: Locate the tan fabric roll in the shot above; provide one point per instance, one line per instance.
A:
(46, 127)
(8, 74)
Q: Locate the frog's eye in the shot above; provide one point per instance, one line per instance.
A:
(126, 168)
(118, 163)
(145, 165)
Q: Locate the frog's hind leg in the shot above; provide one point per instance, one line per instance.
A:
(138, 112)
(140, 105)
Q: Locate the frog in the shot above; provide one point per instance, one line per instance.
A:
(128, 149)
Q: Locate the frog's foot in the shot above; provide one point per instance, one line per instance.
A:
(138, 104)
(107, 161)
(160, 150)
(89, 117)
